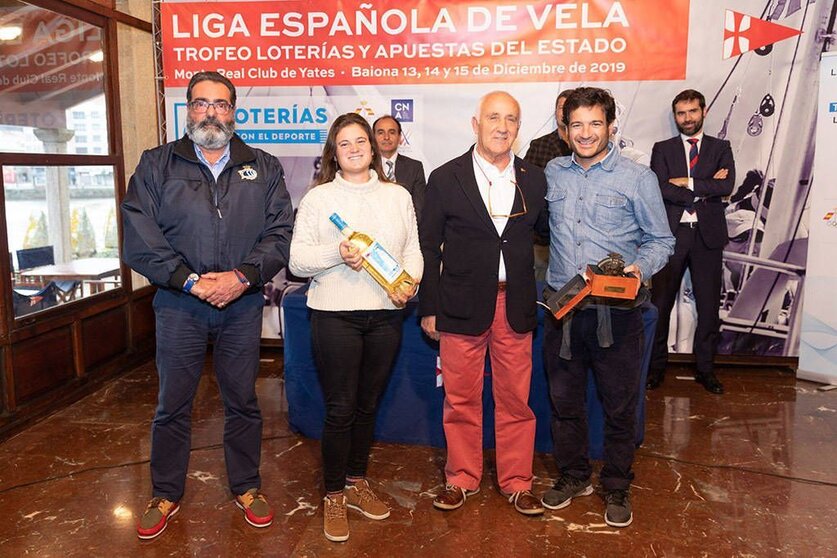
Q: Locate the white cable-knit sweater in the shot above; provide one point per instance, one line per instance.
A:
(382, 210)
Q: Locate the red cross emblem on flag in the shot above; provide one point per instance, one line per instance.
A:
(743, 33)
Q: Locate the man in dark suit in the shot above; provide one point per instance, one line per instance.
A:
(399, 168)
(695, 172)
(554, 144)
(478, 293)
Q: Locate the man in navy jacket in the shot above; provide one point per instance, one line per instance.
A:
(207, 220)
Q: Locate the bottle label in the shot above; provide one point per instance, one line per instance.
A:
(377, 256)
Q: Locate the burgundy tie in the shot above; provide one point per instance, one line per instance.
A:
(693, 160)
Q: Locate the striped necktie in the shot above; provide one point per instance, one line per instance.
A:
(693, 153)
(390, 170)
(693, 161)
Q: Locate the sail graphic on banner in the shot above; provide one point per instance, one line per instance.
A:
(743, 33)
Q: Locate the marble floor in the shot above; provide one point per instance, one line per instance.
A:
(749, 473)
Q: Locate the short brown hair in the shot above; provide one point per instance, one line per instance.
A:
(689, 95)
(210, 76)
(563, 95)
(385, 117)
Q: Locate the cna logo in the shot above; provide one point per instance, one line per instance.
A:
(403, 110)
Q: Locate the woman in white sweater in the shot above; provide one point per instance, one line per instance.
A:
(355, 323)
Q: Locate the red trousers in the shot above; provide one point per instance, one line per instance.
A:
(463, 368)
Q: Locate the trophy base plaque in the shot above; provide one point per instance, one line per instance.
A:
(605, 279)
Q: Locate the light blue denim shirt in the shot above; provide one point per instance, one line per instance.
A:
(219, 164)
(614, 206)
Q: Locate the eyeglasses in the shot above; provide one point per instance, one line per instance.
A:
(490, 210)
(509, 215)
(201, 105)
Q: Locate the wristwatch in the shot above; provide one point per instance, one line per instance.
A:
(190, 282)
(242, 278)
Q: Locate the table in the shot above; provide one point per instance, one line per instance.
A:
(83, 269)
(411, 408)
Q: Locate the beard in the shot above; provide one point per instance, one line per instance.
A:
(210, 133)
(691, 129)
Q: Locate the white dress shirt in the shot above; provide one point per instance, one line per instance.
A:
(500, 186)
(687, 147)
(385, 165)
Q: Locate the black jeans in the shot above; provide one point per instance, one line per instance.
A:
(616, 371)
(354, 352)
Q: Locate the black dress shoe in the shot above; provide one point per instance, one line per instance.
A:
(710, 382)
(655, 379)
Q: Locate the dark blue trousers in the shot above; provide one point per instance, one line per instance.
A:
(706, 267)
(616, 371)
(185, 324)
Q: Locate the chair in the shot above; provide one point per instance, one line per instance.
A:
(27, 301)
(28, 258)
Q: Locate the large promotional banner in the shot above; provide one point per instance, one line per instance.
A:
(298, 64)
(818, 339)
(355, 42)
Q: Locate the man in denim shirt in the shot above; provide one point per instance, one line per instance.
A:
(599, 202)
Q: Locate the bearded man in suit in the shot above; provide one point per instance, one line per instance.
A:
(695, 172)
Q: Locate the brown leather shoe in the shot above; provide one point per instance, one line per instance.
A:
(452, 497)
(526, 503)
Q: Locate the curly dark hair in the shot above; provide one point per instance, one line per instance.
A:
(590, 97)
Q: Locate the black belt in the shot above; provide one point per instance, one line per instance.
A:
(690, 224)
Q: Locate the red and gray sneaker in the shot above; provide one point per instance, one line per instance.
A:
(257, 512)
(156, 517)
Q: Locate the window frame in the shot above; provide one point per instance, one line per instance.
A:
(96, 16)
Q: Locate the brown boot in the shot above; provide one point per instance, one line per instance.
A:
(361, 498)
(335, 520)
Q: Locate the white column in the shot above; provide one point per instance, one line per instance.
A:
(57, 192)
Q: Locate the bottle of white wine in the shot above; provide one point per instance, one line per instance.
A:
(380, 264)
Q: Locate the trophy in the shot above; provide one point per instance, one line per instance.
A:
(605, 279)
